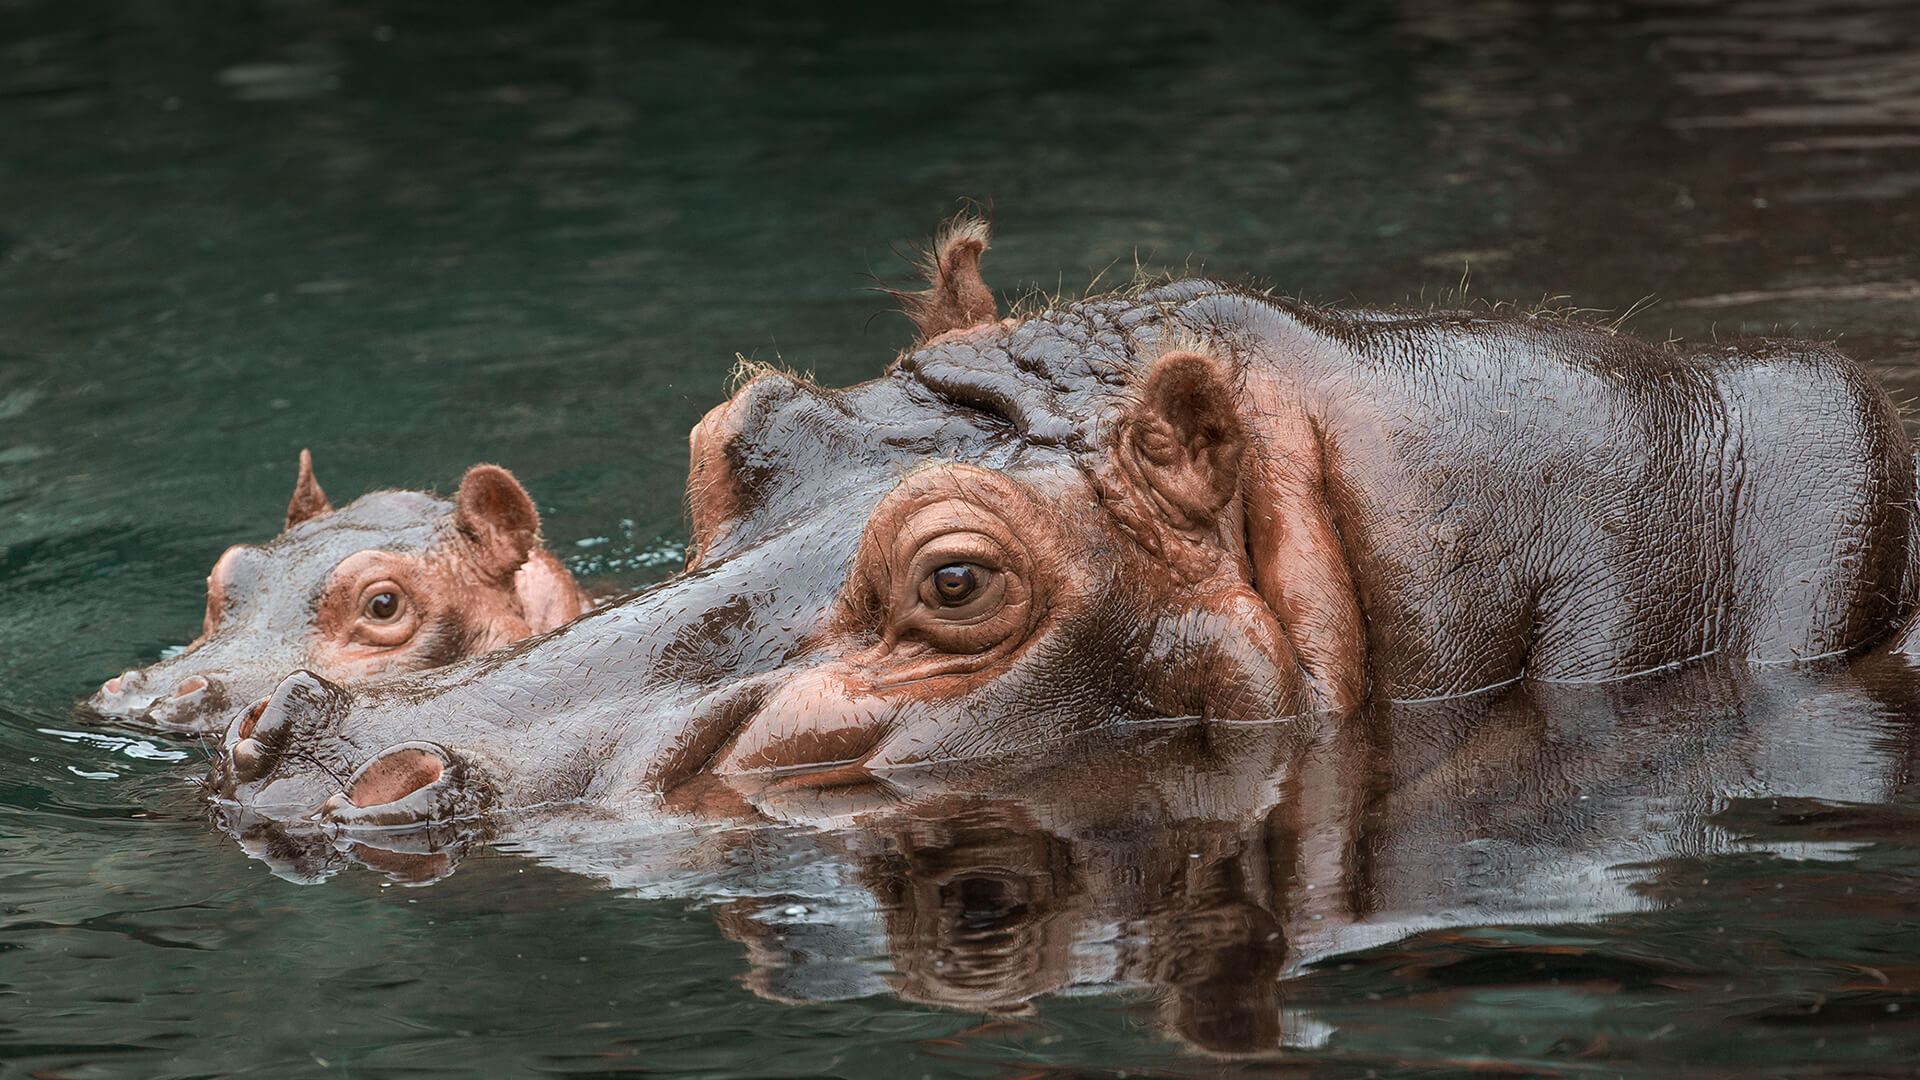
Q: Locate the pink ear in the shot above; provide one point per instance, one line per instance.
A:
(548, 595)
(308, 500)
(1185, 440)
(494, 512)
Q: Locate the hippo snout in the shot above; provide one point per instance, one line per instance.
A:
(182, 704)
(258, 736)
(282, 758)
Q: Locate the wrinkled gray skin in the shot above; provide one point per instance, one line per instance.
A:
(1516, 497)
(267, 628)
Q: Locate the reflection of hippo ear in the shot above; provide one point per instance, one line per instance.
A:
(957, 297)
(308, 500)
(495, 512)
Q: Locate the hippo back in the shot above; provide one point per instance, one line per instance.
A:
(1534, 495)
(1519, 494)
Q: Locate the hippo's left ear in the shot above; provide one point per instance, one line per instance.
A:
(496, 514)
(956, 297)
(308, 500)
(1184, 442)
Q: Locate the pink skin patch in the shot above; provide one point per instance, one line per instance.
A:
(394, 777)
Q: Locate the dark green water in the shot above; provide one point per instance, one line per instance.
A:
(415, 237)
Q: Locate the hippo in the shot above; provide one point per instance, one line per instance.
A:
(1186, 499)
(394, 581)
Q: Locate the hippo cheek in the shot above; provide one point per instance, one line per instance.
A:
(813, 731)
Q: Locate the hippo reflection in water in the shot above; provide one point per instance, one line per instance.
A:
(1209, 864)
(1190, 500)
(394, 581)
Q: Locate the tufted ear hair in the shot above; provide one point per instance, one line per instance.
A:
(308, 500)
(494, 512)
(1185, 441)
(956, 296)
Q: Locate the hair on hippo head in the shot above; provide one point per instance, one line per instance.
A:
(956, 296)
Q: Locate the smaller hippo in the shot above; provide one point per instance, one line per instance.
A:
(394, 581)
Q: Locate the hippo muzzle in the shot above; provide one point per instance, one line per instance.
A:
(150, 698)
(401, 786)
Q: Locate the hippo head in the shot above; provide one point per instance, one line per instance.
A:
(1023, 530)
(394, 581)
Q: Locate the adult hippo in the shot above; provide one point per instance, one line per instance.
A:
(1186, 500)
(393, 581)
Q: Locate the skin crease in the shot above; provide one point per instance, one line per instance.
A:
(394, 582)
(1188, 501)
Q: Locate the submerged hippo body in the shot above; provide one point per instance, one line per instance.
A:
(395, 581)
(1193, 500)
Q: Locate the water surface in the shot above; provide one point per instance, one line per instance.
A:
(412, 237)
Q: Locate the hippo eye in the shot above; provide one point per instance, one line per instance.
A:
(955, 584)
(385, 616)
(383, 606)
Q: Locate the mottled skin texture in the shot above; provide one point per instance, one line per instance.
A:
(395, 581)
(1191, 501)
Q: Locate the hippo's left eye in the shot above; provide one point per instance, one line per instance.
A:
(940, 573)
(383, 606)
(955, 584)
(385, 614)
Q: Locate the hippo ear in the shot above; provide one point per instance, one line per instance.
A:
(547, 592)
(308, 500)
(1185, 440)
(957, 297)
(495, 513)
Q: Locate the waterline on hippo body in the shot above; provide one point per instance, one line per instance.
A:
(1187, 500)
(1231, 860)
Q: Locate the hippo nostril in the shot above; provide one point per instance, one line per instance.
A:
(394, 776)
(257, 738)
(253, 740)
(191, 685)
(406, 784)
(248, 758)
(249, 720)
